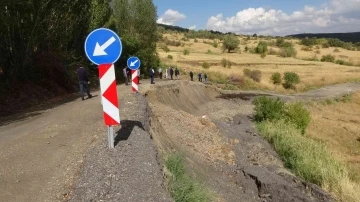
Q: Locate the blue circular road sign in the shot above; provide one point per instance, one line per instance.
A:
(133, 63)
(103, 46)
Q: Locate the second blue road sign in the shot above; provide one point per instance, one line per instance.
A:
(133, 63)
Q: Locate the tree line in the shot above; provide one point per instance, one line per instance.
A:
(43, 40)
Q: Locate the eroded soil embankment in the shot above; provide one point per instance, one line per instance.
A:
(222, 149)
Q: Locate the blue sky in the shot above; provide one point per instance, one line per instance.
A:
(267, 16)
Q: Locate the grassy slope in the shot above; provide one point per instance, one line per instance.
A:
(337, 125)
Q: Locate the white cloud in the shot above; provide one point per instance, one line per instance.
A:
(335, 16)
(192, 27)
(170, 17)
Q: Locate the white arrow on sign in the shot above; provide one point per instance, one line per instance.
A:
(133, 63)
(100, 50)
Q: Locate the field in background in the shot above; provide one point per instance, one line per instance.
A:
(312, 73)
(337, 124)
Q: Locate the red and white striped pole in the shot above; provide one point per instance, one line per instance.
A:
(135, 81)
(109, 99)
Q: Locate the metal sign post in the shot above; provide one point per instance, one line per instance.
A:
(103, 47)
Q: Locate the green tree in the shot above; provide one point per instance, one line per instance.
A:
(230, 43)
(136, 24)
(100, 13)
(40, 38)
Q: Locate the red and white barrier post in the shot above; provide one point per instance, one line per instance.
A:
(135, 81)
(109, 99)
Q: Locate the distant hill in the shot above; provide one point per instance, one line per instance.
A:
(347, 37)
(181, 29)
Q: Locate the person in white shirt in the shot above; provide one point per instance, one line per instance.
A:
(160, 72)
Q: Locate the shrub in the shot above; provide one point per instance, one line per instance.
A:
(208, 52)
(287, 44)
(291, 78)
(306, 48)
(234, 78)
(226, 63)
(223, 62)
(287, 52)
(186, 51)
(328, 58)
(215, 44)
(195, 40)
(263, 55)
(340, 62)
(314, 58)
(229, 64)
(246, 49)
(205, 65)
(298, 115)
(317, 52)
(272, 52)
(247, 72)
(268, 109)
(261, 48)
(170, 57)
(325, 45)
(255, 75)
(336, 50)
(166, 49)
(276, 78)
(279, 42)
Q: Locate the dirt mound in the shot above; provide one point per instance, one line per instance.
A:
(177, 110)
(221, 146)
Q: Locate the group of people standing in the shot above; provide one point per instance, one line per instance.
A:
(202, 77)
(169, 73)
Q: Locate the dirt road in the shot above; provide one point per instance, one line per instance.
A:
(41, 156)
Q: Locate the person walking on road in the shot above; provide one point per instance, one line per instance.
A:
(177, 73)
(152, 73)
(83, 82)
(125, 73)
(160, 72)
(171, 73)
(191, 76)
(199, 76)
(205, 78)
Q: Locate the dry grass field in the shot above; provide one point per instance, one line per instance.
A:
(337, 125)
(312, 73)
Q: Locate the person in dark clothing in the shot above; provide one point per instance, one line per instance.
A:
(83, 82)
(171, 73)
(125, 73)
(152, 74)
(177, 73)
(191, 75)
(199, 76)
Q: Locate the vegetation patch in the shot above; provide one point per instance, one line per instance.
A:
(284, 125)
(182, 187)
